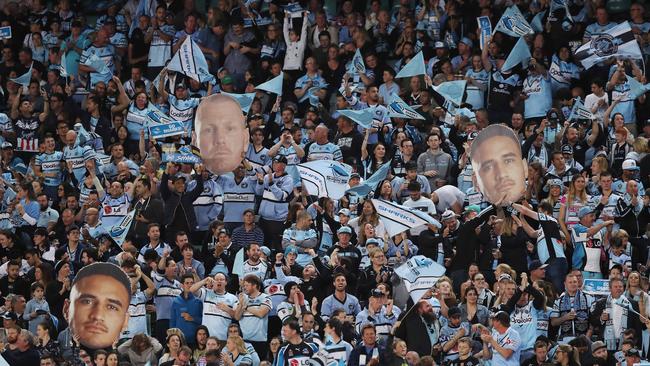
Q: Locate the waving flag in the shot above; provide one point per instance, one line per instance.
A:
(245, 100)
(273, 86)
(562, 4)
(618, 42)
(118, 232)
(25, 78)
(325, 178)
(636, 88)
(363, 117)
(452, 91)
(485, 26)
(63, 68)
(356, 65)
(536, 23)
(415, 67)
(397, 218)
(97, 64)
(513, 23)
(238, 264)
(190, 61)
(398, 108)
(419, 274)
(370, 184)
(520, 54)
(579, 111)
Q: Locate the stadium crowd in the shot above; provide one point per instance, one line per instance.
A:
(246, 268)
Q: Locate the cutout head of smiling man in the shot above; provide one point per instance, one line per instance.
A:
(499, 170)
(221, 133)
(97, 310)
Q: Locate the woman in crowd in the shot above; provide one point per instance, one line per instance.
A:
(174, 344)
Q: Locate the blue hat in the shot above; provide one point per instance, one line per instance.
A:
(584, 211)
(344, 230)
(344, 211)
(372, 241)
(467, 41)
(266, 251)
(290, 249)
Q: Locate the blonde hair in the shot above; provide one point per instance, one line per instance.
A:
(572, 194)
(640, 145)
(601, 162)
(239, 343)
(451, 285)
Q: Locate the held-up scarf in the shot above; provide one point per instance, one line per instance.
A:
(580, 324)
(611, 338)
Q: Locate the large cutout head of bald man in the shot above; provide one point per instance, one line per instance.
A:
(221, 133)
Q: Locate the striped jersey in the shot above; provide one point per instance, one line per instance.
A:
(328, 151)
(253, 328)
(209, 203)
(237, 196)
(78, 155)
(50, 164)
(160, 50)
(114, 209)
(137, 315)
(215, 319)
(166, 292)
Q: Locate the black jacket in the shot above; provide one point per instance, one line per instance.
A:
(185, 200)
(413, 331)
(468, 249)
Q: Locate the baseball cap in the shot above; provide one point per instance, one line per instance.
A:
(501, 316)
(266, 251)
(7, 145)
(226, 80)
(10, 315)
(632, 352)
(291, 249)
(629, 164)
(448, 215)
(344, 211)
(472, 208)
(584, 211)
(281, 159)
(344, 230)
(567, 149)
(536, 264)
(467, 42)
(255, 116)
(355, 175)
(373, 241)
(376, 293)
(597, 345)
(439, 44)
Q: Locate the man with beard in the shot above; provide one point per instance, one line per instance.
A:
(416, 323)
(48, 216)
(25, 353)
(599, 353)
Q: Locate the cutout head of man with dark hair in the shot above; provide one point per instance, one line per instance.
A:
(97, 310)
(221, 133)
(499, 170)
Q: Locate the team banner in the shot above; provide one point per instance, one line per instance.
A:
(419, 274)
(513, 23)
(272, 86)
(363, 117)
(325, 178)
(118, 232)
(520, 54)
(190, 61)
(397, 218)
(5, 32)
(160, 131)
(398, 108)
(356, 65)
(596, 287)
(636, 88)
(25, 78)
(485, 26)
(452, 91)
(536, 23)
(186, 154)
(579, 111)
(370, 184)
(28, 145)
(245, 100)
(414, 67)
(618, 42)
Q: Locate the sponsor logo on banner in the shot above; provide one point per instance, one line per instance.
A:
(165, 130)
(594, 286)
(5, 32)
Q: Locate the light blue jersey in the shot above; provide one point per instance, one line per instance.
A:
(447, 332)
(106, 54)
(476, 91)
(328, 151)
(524, 320)
(114, 209)
(509, 340)
(78, 156)
(136, 120)
(540, 99)
(594, 30)
(183, 110)
(350, 305)
(137, 316)
(253, 328)
(214, 318)
(166, 292)
(160, 50)
(50, 164)
(275, 198)
(237, 196)
(207, 206)
(316, 80)
(562, 73)
(259, 159)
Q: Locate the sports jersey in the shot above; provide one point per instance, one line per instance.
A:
(538, 89)
(524, 320)
(78, 156)
(275, 198)
(166, 292)
(208, 205)
(114, 209)
(258, 269)
(379, 119)
(118, 40)
(106, 54)
(215, 319)
(295, 354)
(50, 164)
(258, 159)
(337, 350)
(586, 255)
(327, 151)
(292, 160)
(237, 196)
(562, 73)
(382, 322)
(350, 305)
(136, 120)
(595, 29)
(317, 81)
(137, 315)
(160, 51)
(286, 309)
(509, 340)
(447, 332)
(549, 241)
(255, 329)
(476, 93)
(183, 110)
(121, 24)
(160, 248)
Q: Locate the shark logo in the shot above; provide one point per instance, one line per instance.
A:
(338, 171)
(516, 25)
(604, 45)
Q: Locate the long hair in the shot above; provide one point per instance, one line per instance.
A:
(239, 343)
(372, 219)
(573, 191)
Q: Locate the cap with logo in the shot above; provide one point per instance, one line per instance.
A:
(629, 164)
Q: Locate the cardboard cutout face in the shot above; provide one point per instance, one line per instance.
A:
(499, 170)
(221, 133)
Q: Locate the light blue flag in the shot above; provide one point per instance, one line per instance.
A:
(636, 88)
(363, 117)
(536, 23)
(245, 100)
(356, 65)
(465, 112)
(119, 231)
(579, 111)
(3, 362)
(418, 275)
(520, 54)
(561, 4)
(513, 23)
(325, 178)
(25, 78)
(398, 108)
(415, 67)
(238, 264)
(97, 64)
(273, 86)
(369, 185)
(83, 136)
(63, 69)
(453, 91)
(189, 60)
